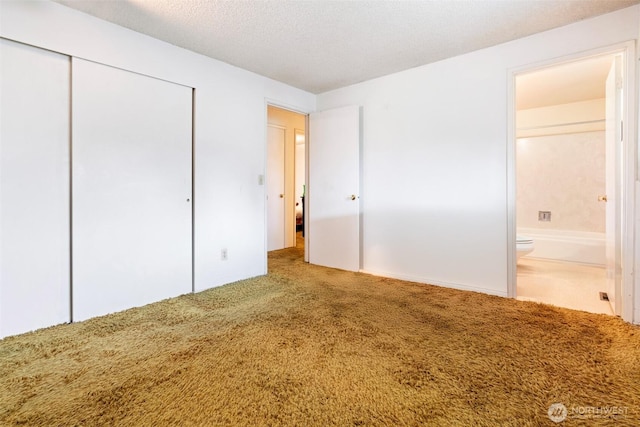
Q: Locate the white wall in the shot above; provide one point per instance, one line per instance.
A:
(435, 156)
(230, 125)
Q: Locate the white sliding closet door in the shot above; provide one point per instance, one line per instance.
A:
(131, 189)
(34, 188)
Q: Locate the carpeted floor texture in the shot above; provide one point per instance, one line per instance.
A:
(312, 346)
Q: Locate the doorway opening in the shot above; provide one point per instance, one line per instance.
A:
(570, 184)
(285, 178)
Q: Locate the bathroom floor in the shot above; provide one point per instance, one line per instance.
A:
(564, 284)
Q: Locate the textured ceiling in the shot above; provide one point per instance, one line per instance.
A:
(320, 45)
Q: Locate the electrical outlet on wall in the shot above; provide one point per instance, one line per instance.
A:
(544, 215)
(223, 254)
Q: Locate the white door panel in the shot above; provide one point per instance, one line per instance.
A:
(613, 164)
(275, 188)
(334, 188)
(34, 188)
(131, 189)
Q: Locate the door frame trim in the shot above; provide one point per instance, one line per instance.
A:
(628, 50)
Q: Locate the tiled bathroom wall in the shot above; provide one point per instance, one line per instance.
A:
(564, 175)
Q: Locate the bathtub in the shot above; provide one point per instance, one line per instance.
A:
(566, 245)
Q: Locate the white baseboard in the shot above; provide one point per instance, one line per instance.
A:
(426, 281)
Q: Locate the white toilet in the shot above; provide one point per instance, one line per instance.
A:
(524, 246)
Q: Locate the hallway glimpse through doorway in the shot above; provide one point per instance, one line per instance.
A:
(285, 177)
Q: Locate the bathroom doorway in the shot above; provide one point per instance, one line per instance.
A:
(568, 181)
(285, 178)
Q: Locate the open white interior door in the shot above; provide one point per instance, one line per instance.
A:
(334, 188)
(275, 188)
(613, 164)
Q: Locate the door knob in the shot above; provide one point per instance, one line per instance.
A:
(602, 198)
(282, 196)
(353, 197)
